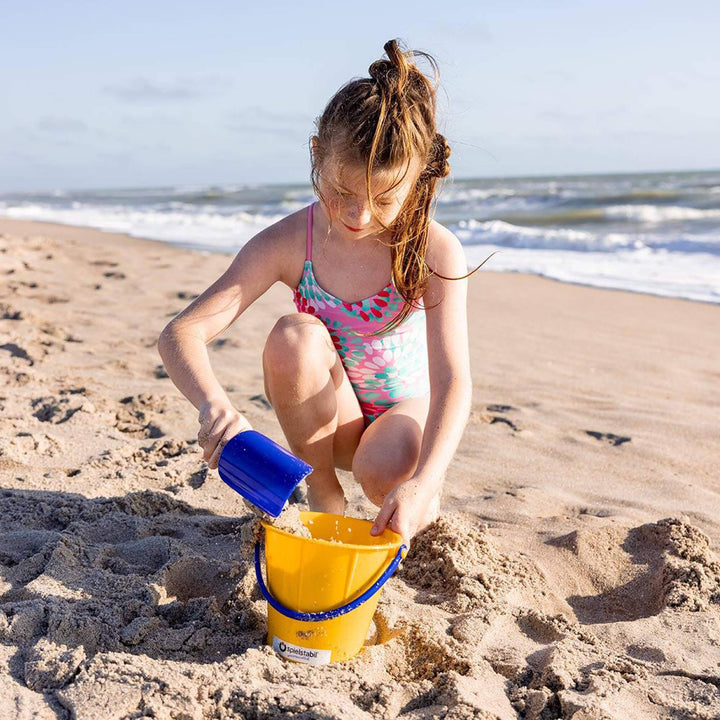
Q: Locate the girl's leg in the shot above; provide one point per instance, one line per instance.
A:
(389, 450)
(315, 404)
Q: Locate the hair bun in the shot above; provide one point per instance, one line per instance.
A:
(395, 70)
(438, 165)
(381, 70)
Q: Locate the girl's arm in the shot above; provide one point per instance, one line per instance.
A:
(450, 385)
(267, 258)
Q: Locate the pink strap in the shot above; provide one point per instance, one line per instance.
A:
(308, 244)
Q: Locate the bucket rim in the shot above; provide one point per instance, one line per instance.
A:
(355, 546)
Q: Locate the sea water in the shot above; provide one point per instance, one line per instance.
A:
(655, 233)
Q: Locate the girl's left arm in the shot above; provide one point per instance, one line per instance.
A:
(450, 385)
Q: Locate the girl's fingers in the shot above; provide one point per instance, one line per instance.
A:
(213, 437)
(383, 518)
(222, 441)
(401, 527)
(225, 436)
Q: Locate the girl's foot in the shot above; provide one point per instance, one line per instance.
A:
(324, 495)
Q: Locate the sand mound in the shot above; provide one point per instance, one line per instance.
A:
(454, 564)
(691, 577)
(636, 573)
(143, 606)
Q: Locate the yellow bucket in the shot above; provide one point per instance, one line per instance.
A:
(322, 591)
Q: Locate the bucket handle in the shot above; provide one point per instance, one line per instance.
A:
(327, 614)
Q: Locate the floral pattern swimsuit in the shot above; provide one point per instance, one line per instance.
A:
(383, 369)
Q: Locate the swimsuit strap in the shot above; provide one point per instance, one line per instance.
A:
(308, 244)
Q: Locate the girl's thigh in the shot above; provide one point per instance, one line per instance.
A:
(389, 449)
(350, 420)
(294, 339)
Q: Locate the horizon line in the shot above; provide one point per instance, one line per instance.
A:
(302, 183)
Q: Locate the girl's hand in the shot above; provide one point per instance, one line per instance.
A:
(404, 509)
(218, 424)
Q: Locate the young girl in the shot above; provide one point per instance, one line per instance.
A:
(372, 373)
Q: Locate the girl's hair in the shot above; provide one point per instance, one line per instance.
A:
(387, 123)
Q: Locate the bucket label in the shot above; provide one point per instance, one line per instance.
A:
(299, 653)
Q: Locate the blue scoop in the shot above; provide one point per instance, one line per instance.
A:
(262, 471)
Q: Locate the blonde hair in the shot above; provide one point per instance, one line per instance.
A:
(387, 122)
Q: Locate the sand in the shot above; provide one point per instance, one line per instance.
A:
(573, 572)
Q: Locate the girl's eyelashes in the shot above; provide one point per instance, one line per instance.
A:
(379, 203)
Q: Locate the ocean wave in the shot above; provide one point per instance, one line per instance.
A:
(459, 194)
(504, 234)
(658, 213)
(187, 228)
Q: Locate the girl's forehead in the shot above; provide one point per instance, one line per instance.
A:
(353, 177)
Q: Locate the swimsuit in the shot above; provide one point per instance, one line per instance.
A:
(383, 369)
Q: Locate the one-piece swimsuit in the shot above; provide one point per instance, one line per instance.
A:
(385, 368)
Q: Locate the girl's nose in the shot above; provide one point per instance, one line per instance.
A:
(358, 214)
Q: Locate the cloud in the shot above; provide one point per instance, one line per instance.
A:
(58, 125)
(143, 89)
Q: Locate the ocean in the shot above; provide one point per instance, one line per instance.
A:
(656, 233)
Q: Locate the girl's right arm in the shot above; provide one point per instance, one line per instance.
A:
(270, 256)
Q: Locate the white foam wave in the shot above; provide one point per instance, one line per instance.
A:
(196, 229)
(505, 234)
(460, 194)
(658, 213)
(693, 277)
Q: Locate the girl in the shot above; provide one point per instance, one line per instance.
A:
(372, 373)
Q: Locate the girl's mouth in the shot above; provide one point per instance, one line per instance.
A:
(352, 228)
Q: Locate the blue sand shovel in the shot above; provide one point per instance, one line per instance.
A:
(262, 471)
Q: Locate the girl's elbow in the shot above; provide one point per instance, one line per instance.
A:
(166, 340)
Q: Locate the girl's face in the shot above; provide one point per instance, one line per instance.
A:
(344, 189)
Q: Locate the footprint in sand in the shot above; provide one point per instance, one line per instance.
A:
(18, 352)
(160, 372)
(494, 414)
(610, 438)
(55, 410)
(499, 408)
(224, 342)
(261, 401)
(137, 415)
(7, 312)
(114, 274)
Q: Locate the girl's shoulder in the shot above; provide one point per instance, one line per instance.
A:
(283, 243)
(445, 253)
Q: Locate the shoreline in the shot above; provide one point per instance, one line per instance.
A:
(199, 249)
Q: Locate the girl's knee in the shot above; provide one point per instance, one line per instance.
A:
(293, 338)
(379, 470)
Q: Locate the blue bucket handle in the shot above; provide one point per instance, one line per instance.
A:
(327, 614)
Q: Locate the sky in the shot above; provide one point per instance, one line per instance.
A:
(158, 93)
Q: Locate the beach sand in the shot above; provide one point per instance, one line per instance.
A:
(574, 572)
